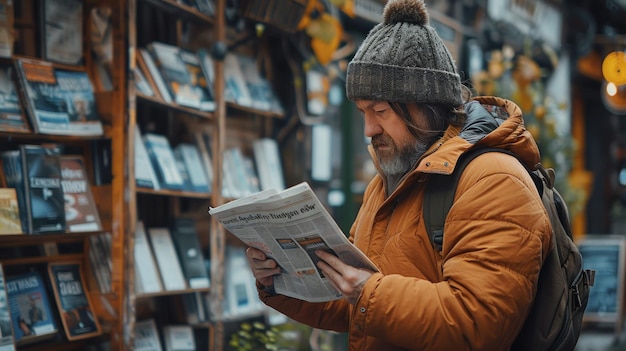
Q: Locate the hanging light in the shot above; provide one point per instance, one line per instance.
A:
(614, 67)
(614, 97)
(614, 85)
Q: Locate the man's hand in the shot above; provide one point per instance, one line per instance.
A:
(345, 278)
(263, 268)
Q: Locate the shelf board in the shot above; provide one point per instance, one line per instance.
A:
(263, 113)
(182, 11)
(58, 344)
(171, 293)
(174, 107)
(37, 239)
(42, 259)
(174, 193)
(22, 137)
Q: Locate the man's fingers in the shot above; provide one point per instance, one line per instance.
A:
(255, 253)
(330, 259)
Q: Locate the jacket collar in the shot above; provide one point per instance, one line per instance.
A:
(491, 122)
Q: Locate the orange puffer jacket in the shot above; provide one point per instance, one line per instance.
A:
(476, 292)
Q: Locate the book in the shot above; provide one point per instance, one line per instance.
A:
(179, 338)
(73, 300)
(268, 164)
(189, 155)
(45, 203)
(194, 308)
(189, 252)
(317, 85)
(145, 176)
(7, 30)
(248, 178)
(151, 72)
(204, 149)
(208, 69)
(241, 296)
(81, 213)
(100, 25)
(62, 31)
(10, 222)
(142, 84)
(175, 74)
(100, 259)
(146, 272)
(49, 248)
(198, 81)
(30, 309)
(58, 101)
(189, 3)
(7, 340)
(236, 89)
(273, 221)
(250, 171)
(167, 260)
(106, 239)
(163, 161)
(11, 115)
(14, 178)
(146, 336)
(102, 161)
(206, 7)
(182, 170)
(261, 91)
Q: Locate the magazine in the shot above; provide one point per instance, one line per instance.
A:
(29, 308)
(73, 301)
(289, 226)
(62, 31)
(11, 117)
(81, 212)
(58, 102)
(7, 341)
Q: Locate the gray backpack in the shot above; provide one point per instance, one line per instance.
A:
(555, 319)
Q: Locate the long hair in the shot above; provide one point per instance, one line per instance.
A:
(438, 116)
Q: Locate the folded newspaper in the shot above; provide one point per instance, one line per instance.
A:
(289, 225)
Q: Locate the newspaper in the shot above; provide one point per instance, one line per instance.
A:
(289, 226)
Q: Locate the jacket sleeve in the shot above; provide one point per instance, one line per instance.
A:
(496, 237)
(332, 315)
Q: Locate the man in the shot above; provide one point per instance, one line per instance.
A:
(35, 313)
(474, 294)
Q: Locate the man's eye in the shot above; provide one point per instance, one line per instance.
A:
(380, 111)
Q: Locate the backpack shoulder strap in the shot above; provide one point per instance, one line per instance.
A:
(439, 195)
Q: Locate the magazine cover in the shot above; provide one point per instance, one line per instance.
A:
(147, 336)
(14, 177)
(43, 191)
(81, 214)
(63, 31)
(198, 82)
(58, 102)
(29, 307)
(75, 308)
(7, 343)
(11, 117)
(175, 74)
(9, 212)
(163, 160)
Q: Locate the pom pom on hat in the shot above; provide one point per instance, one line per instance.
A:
(411, 11)
(403, 59)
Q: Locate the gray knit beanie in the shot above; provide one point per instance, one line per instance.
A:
(403, 59)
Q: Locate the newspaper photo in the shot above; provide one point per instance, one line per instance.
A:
(288, 226)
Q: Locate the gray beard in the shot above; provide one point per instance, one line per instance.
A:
(404, 161)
